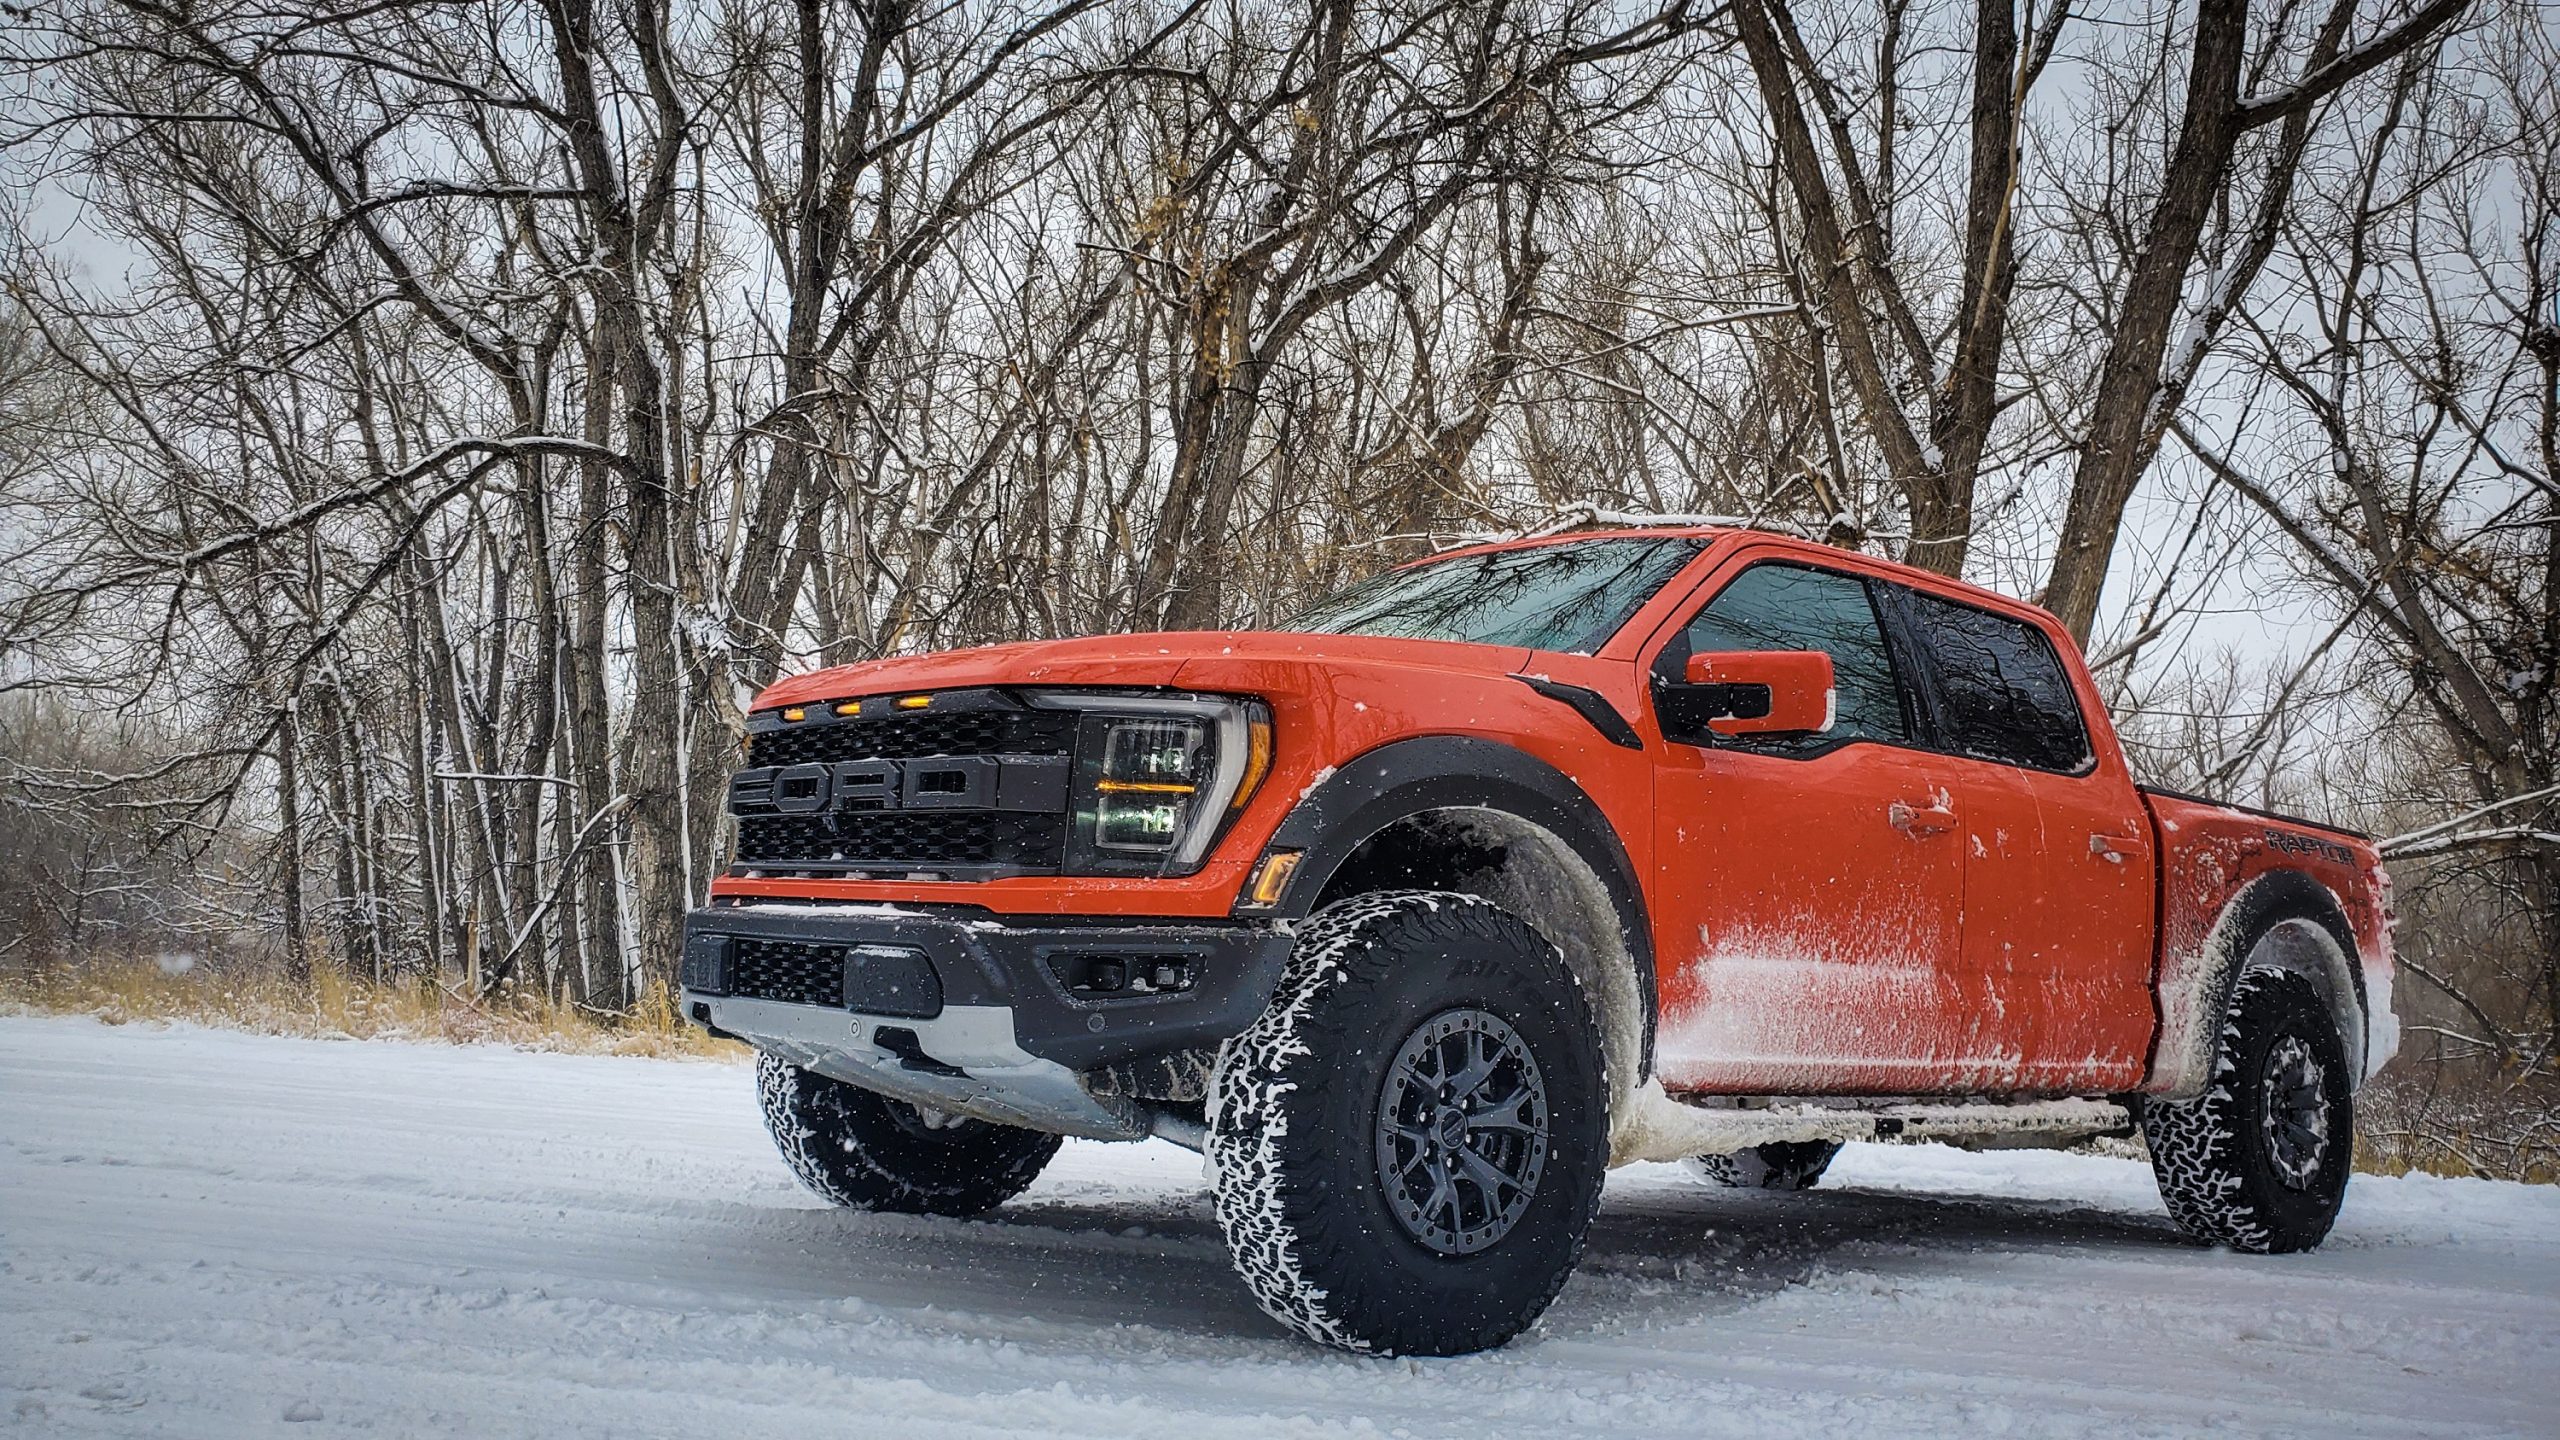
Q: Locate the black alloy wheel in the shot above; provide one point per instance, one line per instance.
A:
(1462, 1131)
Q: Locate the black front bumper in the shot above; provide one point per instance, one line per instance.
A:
(1181, 984)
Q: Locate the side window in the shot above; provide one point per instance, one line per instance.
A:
(2006, 696)
(1789, 607)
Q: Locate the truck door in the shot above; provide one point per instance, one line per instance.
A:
(1808, 886)
(2059, 880)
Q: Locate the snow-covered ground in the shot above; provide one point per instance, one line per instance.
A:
(207, 1234)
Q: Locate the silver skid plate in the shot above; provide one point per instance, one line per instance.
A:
(975, 1068)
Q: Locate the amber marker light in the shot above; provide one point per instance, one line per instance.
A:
(795, 713)
(914, 702)
(1271, 878)
(1144, 787)
(849, 707)
(1257, 763)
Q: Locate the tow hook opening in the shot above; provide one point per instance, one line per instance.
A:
(900, 1041)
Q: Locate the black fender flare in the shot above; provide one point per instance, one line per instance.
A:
(2182, 1054)
(1405, 778)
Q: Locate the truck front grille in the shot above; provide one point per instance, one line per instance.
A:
(890, 840)
(915, 735)
(972, 788)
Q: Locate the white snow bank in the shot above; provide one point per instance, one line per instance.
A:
(206, 1234)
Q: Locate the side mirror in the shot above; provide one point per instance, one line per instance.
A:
(1760, 692)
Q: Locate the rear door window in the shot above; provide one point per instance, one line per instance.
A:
(2003, 693)
(1792, 607)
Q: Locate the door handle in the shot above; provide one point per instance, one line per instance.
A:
(2111, 848)
(1936, 818)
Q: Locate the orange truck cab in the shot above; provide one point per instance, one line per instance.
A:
(1507, 865)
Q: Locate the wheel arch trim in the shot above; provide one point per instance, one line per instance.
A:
(2281, 920)
(1407, 778)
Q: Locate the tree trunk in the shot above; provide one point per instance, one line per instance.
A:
(297, 954)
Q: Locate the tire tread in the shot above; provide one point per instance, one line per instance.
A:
(847, 1145)
(2204, 1151)
(1308, 1260)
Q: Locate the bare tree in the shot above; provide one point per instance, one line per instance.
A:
(484, 402)
(2401, 426)
(1915, 310)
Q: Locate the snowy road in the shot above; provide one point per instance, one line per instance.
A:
(207, 1235)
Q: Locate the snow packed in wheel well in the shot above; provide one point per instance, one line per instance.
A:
(1534, 874)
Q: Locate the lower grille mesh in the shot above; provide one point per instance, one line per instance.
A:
(788, 971)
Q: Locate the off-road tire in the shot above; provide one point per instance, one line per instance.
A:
(869, 1152)
(1295, 1140)
(2221, 1172)
(1783, 1165)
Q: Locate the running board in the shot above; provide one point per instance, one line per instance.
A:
(1655, 1126)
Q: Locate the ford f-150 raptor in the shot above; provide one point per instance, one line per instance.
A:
(1418, 913)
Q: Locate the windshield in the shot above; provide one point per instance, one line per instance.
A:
(1568, 597)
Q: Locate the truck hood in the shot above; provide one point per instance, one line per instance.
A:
(1146, 660)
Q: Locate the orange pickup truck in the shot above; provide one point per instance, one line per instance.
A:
(1417, 913)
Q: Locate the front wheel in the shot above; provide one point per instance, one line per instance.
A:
(2259, 1161)
(869, 1152)
(1407, 1147)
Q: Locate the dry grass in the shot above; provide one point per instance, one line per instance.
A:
(2461, 1119)
(2456, 1157)
(2496, 1131)
(338, 1007)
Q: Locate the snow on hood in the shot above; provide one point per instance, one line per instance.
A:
(1112, 659)
(1155, 659)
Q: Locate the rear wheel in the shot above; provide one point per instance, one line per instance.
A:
(867, 1151)
(1785, 1165)
(1407, 1147)
(2259, 1161)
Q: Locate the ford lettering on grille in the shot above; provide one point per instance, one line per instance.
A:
(902, 794)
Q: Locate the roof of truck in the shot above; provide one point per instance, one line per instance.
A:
(1696, 528)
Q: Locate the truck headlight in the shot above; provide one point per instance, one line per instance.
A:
(1157, 777)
